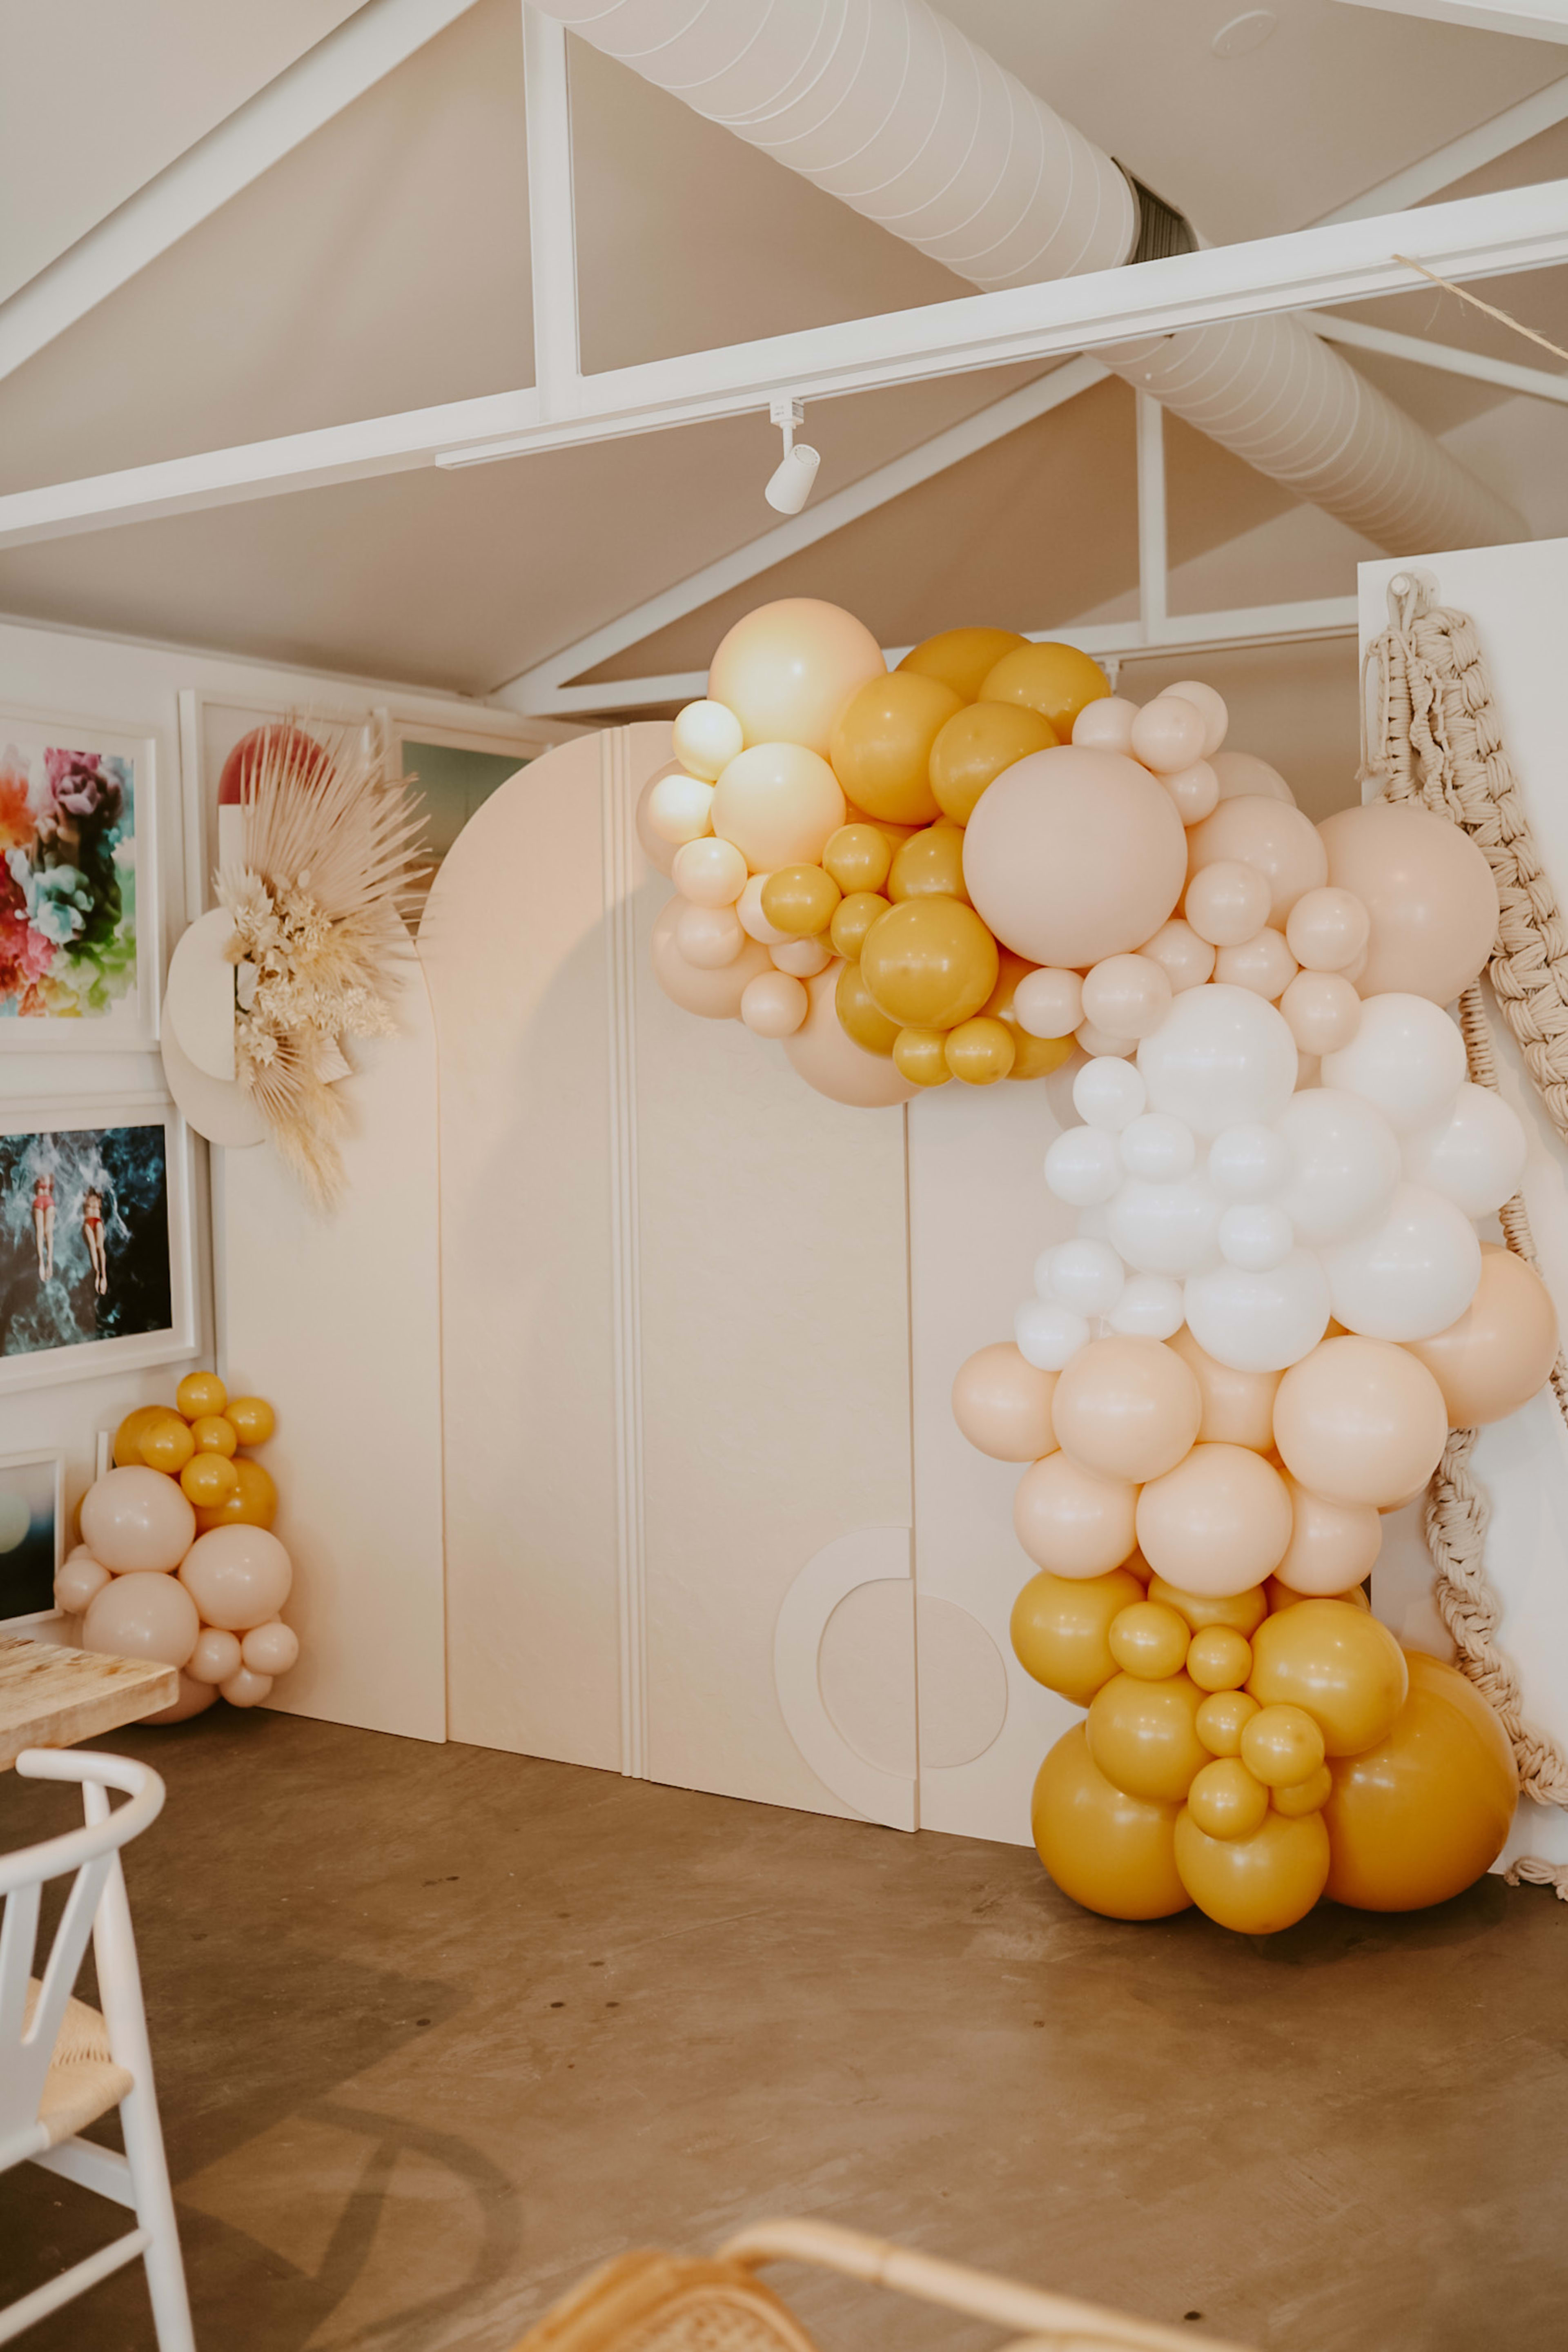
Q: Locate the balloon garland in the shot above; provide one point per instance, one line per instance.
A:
(176, 1560)
(1277, 1305)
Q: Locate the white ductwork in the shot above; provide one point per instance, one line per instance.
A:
(886, 105)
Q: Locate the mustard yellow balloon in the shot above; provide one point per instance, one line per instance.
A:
(1245, 1611)
(1282, 1747)
(881, 742)
(1143, 1736)
(1055, 680)
(1423, 1814)
(1033, 1057)
(961, 658)
(859, 857)
(1308, 1796)
(128, 1436)
(929, 865)
(1219, 1658)
(208, 1479)
(920, 1056)
(859, 1015)
(1285, 1596)
(800, 899)
(1339, 1665)
(1256, 1885)
(852, 919)
(974, 747)
(1148, 1640)
(930, 963)
(980, 1051)
(214, 1433)
(1226, 1801)
(1060, 1626)
(252, 1419)
(1221, 1719)
(200, 1392)
(166, 1444)
(1111, 1852)
(252, 1502)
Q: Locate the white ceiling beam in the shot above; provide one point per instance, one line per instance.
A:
(307, 94)
(1153, 538)
(1535, 20)
(552, 208)
(533, 686)
(1350, 261)
(1540, 383)
(1543, 109)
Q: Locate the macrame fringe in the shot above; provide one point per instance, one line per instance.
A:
(1433, 736)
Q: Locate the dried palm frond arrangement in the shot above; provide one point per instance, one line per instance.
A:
(330, 852)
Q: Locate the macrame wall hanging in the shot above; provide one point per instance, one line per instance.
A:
(1432, 734)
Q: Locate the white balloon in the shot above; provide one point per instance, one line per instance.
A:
(1158, 1147)
(1165, 1228)
(1221, 1057)
(1083, 1167)
(1255, 1234)
(1149, 1308)
(1411, 1274)
(1107, 1093)
(680, 808)
(1344, 1163)
(1408, 1058)
(706, 738)
(1475, 1158)
(1049, 1336)
(1249, 1164)
(1261, 1322)
(1084, 1274)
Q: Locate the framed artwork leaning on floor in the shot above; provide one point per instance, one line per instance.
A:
(32, 1535)
(96, 1239)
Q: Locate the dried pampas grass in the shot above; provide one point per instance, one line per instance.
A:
(331, 849)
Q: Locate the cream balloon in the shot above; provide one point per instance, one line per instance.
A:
(1221, 1057)
(705, 738)
(1408, 1058)
(1048, 1335)
(710, 872)
(1072, 855)
(142, 1614)
(1261, 1322)
(1149, 1308)
(774, 1004)
(237, 1576)
(1157, 1147)
(1343, 1162)
(134, 1519)
(1003, 1404)
(1170, 1229)
(1278, 842)
(1428, 891)
(715, 995)
(680, 808)
(821, 1054)
(787, 670)
(779, 804)
(709, 938)
(1411, 1274)
(1475, 1158)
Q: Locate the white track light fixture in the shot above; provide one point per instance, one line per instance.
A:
(790, 483)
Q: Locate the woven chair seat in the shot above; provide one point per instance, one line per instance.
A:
(651, 2302)
(83, 2081)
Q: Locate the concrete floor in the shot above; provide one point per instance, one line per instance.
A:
(374, 1969)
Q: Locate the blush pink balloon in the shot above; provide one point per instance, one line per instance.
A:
(1361, 1420)
(237, 1576)
(1072, 1522)
(1226, 902)
(716, 995)
(1244, 776)
(1194, 789)
(144, 1613)
(246, 1689)
(1333, 1545)
(1049, 1003)
(1073, 855)
(216, 1656)
(80, 1582)
(1328, 929)
(774, 1004)
(711, 937)
(821, 1054)
(1285, 847)
(1212, 704)
(1001, 1403)
(1127, 1408)
(1263, 963)
(272, 1648)
(1127, 995)
(1106, 725)
(194, 1698)
(135, 1519)
(1169, 734)
(659, 853)
(1185, 959)
(1428, 891)
(1217, 1524)
(1323, 1010)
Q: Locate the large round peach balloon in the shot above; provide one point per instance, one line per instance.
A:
(788, 668)
(1003, 1404)
(1275, 840)
(716, 995)
(778, 804)
(1071, 1521)
(1428, 891)
(1237, 1407)
(1127, 1408)
(1219, 1523)
(1419, 1816)
(831, 1062)
(1072, 855)
(1112, 1853)
(237, 1576)
(137, 1519)
(1502, 1347)
(143, 1615)
(1361, 1420)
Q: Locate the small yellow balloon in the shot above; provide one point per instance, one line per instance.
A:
(128, 1436)
(1222, 1719)
(859, 1015)
(961, 658)
(852, 919)
(1033, 1057)
(800, 899)
(1282, 1747)
(251, 1418)
(1220, 1659)
(200, 1392)
(1308, 1796)
(1245, 1611)
(881, 747)
(1422, 1815)
(980, 1051)
(1254, 1884)
(930, 963)
(1338, 1663)
(1114, 1853)
(1060, 1626)
(1055, 680)
(920, 1056)
(1148, 1640)
(209, 1479)
(929, 865)
(252, 1502)
(1143, 1736)
(859, 857)
(166, 1444)
(1224, 1800)
(975, 746)
(214, 1433)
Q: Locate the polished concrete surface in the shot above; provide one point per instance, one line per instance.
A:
(437, 2029)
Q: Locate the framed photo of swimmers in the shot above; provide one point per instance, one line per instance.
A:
(97, 1247)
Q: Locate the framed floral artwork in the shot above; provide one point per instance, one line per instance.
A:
(78, 872)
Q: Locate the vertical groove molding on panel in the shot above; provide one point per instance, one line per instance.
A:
(618, 805)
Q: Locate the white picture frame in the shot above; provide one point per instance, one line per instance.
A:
(129, 1023)
(147, 1236)
(41, 1476)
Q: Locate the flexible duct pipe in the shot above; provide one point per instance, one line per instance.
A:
(886, 105)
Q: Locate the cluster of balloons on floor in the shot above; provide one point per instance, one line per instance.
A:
(176, 1562)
